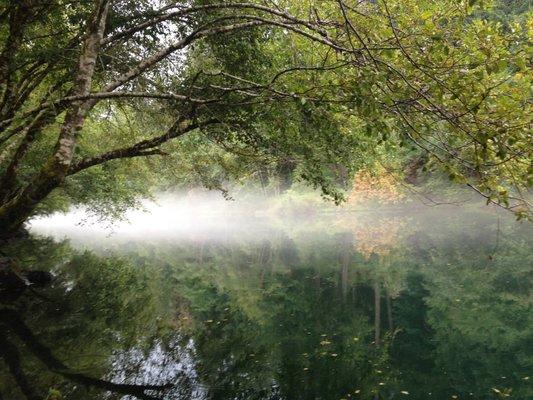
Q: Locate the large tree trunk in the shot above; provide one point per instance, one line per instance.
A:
(16, 210)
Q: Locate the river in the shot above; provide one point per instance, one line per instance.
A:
(421, 303)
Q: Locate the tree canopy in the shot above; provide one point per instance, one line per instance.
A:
(321, 85)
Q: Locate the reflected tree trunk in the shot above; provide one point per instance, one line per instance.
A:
(344, 281)
(345, 257)
(11, 356)
(318, 283)
(377, 313)
(44, 354)
(200, 257)
(389, 311)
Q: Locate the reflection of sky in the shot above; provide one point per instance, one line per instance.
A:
(159, 366)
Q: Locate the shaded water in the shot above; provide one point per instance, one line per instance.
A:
(427, 304)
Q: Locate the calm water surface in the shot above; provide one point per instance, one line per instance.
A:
(431, 304)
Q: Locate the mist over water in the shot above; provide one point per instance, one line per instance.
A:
(167, 217)
(208, 215)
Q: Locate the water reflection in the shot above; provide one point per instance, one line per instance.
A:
(432, 305)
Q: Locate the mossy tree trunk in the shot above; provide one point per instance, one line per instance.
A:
(15, 209)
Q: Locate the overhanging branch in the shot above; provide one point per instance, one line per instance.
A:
(143, 148)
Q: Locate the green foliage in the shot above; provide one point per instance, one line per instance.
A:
(315, 97)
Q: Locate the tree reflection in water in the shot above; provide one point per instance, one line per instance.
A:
(376, 307)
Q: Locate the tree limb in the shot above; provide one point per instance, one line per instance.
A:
(143, 148)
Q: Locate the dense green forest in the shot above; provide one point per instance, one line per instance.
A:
(380, 152)
(101, 102)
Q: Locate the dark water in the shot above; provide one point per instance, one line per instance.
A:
(426, 305)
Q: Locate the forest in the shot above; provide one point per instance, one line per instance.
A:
(266, 199)
(103, 102)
